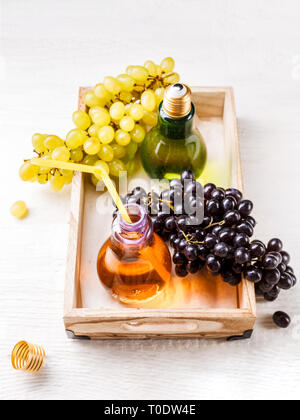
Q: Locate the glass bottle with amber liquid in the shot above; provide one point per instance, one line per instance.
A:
(175, 144)
(134, 263)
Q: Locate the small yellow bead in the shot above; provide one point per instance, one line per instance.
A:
(19, 210)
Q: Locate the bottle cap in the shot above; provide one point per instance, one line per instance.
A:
(177, 100)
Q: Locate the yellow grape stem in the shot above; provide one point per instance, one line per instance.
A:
(50, 163)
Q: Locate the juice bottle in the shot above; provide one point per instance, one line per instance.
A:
(174, 145)
(134, 263)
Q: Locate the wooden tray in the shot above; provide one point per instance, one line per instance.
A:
(200, 306)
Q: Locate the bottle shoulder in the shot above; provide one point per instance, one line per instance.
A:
(155, 135)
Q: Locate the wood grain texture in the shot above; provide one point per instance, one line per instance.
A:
(250, 45)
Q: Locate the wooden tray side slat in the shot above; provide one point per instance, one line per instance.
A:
(209, 102)
(164, 327)
(246, 290)
(74, 245)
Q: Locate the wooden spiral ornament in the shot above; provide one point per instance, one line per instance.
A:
(28, 357)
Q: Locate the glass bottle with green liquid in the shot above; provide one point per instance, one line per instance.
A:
(175, 144)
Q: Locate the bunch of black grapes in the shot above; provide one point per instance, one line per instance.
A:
(211, 228)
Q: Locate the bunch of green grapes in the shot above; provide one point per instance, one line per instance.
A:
(119, 111)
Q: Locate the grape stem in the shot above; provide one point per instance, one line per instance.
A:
(161, 201)
(214, 224)
(188, 239)
(187, 236)
(167, 202)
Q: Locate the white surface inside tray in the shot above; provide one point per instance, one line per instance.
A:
(193, 292)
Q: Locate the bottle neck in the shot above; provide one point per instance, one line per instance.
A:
(175, 128)
(133, 235)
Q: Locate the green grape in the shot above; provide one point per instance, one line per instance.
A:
(81, 119)
(100, 116)
(52, 142)
(61, 153)
(138, 133)
(75, 138)
(131, 150)
(158, 70)
(91, 146)
(116, 166)
(66, 172)
(93, 130)
(150, 118)
(106, 134)
(42, 178)
(122, 138)
(57, 181)
(102, 93)
(102, 165)
(129, 70)
(159, 95)
(113, 127)
(38, 142)
(19, 210)
(127, 82)
(112, 85)
(28, 171)
(171, 78)
(127, 123)
(94, 180)
(90, 160)
(132, 166)
(126, 97)
(98, 183)
(167, 65)
(128, 108)
(136, 111)
(106, 153)
(68, 178)
(47, 155)
(117, 110)
(76, 155)
(148, 100)
(44, 171)
(139, 88)
(138, 73)
(91, 99)
(119, 151)
(151, 67)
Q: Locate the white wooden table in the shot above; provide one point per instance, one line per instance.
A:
(47, 50)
